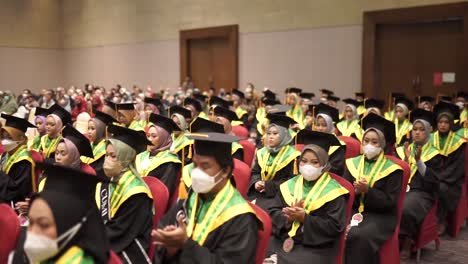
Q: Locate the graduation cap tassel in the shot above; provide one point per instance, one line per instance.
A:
(409, 118)
(295, 170)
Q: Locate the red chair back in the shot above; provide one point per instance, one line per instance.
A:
(240, 131)
(249, 151)
(389, 252)
(37, 158)
(353, 146)
(10, 230)
(349, 207)
(88, 169)
(263, 235)
(114, 259)
(428, 231)
(241, 174)
(299, 147)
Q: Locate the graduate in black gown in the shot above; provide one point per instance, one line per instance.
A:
(158, 161)
(65, 215)
(423, 187)
(309, 212)
(325, 117)
(452, 148)
(224, 117)
(180, 143)
(214, 224)
(377, 185)
(17, 179)
(126, 203)
(274, 163)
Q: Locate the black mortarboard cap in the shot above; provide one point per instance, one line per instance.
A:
(293, 90)
(323, 140)
(105, 118)
(420, 99)
(63, 114)
(215, 100)
(111, 104)
(41, 111)
(200, 97)
(361, 94)
(177, 109)
(333, 98)
(422, 114)
(238, 93)
(351, 102)
(327, 92)
(328, 110)
(269, 101)
(16, 122)
(79, 140)
(444, 107)
(135, 139)
(369, 103)
(308, 95)
(194, 103)
(166, 123)
(406, 101)
(125, 106)
(462, 94)
(396, 94)
(200, 125)
(385, 126)
(154, 101)
(445, 98)
(226, 113)
(269, 94)
(280, 120)
(213, 144)
(278, 109)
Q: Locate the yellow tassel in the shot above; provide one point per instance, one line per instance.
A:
(190, 152)
(182, 191)
(295, 170)
(183, 157)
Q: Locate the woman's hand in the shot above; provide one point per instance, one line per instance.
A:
(23, 207)
(417, 156)
(260, 186)
(361, 186)
(295, 212)
(407, 151)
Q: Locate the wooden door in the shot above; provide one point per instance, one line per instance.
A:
(210, 57)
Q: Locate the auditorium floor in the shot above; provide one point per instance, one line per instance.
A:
(451, 251)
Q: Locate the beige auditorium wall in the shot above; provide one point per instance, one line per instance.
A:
(31, 42)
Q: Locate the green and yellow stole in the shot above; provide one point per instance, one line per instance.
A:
(138, 125)
(463, 132)
(240, 112)
(390, 115)
(48, 145)
(180, 142)
(372, 172)
(145, 163)
(428, 151)
(463, 115)
(206, 216)
(297, 114)
(74, 255)
(127, 186)
(347, 128)
(315, 195)
(20, 154)
(270, 165)
(99, 150)
(448, 144)
(261, 119)
(361, 109)
(203, 115)
(235, 147)
(402, 129)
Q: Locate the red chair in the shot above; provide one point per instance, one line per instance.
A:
(353, 146)
(427, 233)
(299, 147)
(263, 235)
(10, 230)
(390, 251)
(88, 169)
(249, 151)
(114, 259)
(458, 217)
(241, 174)
(349, 208)
(160, 200)
(240, 131)
(37, 158)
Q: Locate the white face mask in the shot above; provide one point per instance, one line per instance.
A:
(39, 247)
(460, 105)
(310, 172)
(202, 182)
(9, 144)
(370, 151)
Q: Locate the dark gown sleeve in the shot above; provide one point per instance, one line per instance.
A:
(167, 173)
(255, 177)
(239, 154)
(234, 242)
(97, 166)
(454, 170)
(133, 220)
(337, 161)
(17, 184)
(431, 177)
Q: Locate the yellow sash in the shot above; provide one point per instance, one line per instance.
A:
(281, 160)
(452, 143)
(144, 163)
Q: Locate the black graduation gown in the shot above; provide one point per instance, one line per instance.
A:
(17, 184)
(167, 173)
(265, 199)
(380, 219)
(130, 229)
(239, 154)
(97, 166)
(234, 242)
(451, 181)
(316, 240)
(420, 199)
(337, 161)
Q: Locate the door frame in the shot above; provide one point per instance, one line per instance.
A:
(229, 32)
(372, 19)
